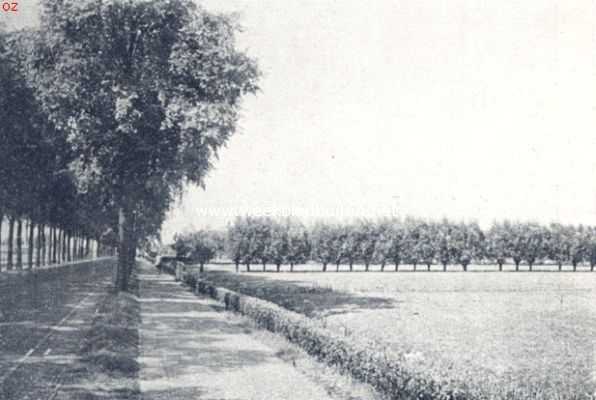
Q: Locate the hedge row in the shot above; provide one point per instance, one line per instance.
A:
(365, 360)
(263, 240)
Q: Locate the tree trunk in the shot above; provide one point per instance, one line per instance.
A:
(366, 264)
(57, 244)
(428, 267)
(396, 266)
(81, 247)
(61, 246)
(383, 266)
(574, 266)
(54, 245)
(98, 248)
(560, 266)
(132, 258)
(530, 265)
(43, 244)
(278, 266)
(465, 267)
(237, 267)
(10, 253)
(50, 245)
(1, 247)
(351, 266)
(444, 267)
(500, 267)
(38, 247)
(26, 224)
(122, 273)
(264, 267)
(20, 243)
(87, 247)
(291, 267)
(30, 244)
(64, 258)
(247, 267)
(52, 255)
(516, 266)
(202, 268)
(324, 267)
(68, 236)
(73, 243)
(69, 246)
(337, 267)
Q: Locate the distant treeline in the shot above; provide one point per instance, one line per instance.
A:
(395, 241)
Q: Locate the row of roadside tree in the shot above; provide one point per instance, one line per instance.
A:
(44, 217)
(108, 109)
(392, 241)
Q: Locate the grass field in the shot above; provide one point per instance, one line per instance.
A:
(526, 335)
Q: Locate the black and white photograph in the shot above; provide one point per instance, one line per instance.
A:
(297, 200)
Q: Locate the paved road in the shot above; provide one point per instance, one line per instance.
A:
(191, 349)
(43, 318)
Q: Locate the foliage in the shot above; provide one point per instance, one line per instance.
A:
(323, 240)
(38, 169)
(415, 241)
(200, 247)
(145, 93)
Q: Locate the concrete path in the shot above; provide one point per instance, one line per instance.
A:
(192, 349)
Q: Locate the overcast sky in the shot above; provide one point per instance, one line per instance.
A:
(462, 108)
(475, 109)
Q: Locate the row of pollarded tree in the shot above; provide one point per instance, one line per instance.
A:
(262, 240)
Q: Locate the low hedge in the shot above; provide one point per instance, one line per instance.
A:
(365, 360)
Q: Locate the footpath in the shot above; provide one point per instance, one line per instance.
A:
(190, 348)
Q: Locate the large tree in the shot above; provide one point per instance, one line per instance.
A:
(147, 92)
(322, 239)
(498, 243)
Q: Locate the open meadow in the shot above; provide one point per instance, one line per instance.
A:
(526, 335)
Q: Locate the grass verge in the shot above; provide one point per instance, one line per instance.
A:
(110, 350)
